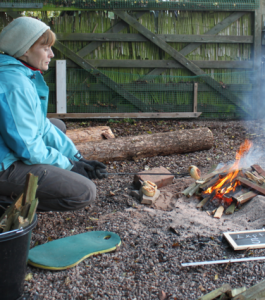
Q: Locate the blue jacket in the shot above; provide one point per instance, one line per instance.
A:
(25, 132)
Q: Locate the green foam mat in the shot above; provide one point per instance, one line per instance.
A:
(67, 252)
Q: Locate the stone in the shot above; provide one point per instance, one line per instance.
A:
(159, 180)
(150, 200)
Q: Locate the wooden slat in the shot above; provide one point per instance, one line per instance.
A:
(153, 87)
(14, 14)
(115, 29)
(255, 292)
(33, 6)
(245, 197)
(252, 185)
(192, 46)
(184, 61)
(203, 202)
(167, 64)
(259, 170)
(124, 115)
(61, 105)
(169, 38)
(195, 97)
(212, 295)
(103, 78)
(230, 210)
(219, 212)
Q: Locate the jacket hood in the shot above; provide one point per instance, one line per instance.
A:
(8, 62)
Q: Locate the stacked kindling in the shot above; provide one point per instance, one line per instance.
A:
(246, 183)
(226, 292)
(21, 213)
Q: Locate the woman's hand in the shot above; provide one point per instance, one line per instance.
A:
(99, 169)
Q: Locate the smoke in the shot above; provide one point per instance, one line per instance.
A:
(256, 155)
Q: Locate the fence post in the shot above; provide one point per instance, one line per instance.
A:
(61, 105)
(195, 96)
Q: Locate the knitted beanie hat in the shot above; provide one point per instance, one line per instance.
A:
(19, 35)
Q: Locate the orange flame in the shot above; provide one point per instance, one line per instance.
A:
(219, 187)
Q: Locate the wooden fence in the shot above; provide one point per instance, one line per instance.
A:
(155, 63)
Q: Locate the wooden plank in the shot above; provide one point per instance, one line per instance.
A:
(257, 65)
(189, 188)
(153, 87)
(255, 292)
(193, 191)
(169, 38)
(103, 78)
(245, 197)
(203, 202)
(237, 291)
(115, 29)
(230, 209)
(258, 169)
(7, 6)
(124, 115)
(184, 61)
(192, 46)
(211, 182)
(14, 14)
(219, 212)
(223, 289)
(195, 97)
(252, 185)
(167, 64)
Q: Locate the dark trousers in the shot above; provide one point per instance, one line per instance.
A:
(58, 189)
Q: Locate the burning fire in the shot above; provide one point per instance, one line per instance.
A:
(227, 184)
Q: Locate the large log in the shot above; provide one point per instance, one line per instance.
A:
(83, 135)
(135, 147)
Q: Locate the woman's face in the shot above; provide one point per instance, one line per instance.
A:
(39, 56)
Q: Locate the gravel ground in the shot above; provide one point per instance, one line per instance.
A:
(150, 256)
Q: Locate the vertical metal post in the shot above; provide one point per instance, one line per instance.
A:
(61, 105)
(195, 97)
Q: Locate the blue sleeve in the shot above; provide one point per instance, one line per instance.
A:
(55, 138)
(20, 130)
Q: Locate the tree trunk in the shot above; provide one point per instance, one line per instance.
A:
(83, 135)
(135, 147)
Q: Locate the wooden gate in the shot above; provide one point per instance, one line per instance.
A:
(83, 37)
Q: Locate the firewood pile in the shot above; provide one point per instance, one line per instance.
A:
(21, 213)
(226, 189)
(225, 292)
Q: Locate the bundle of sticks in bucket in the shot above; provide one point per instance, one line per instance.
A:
(22, 211)
(228, 187)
